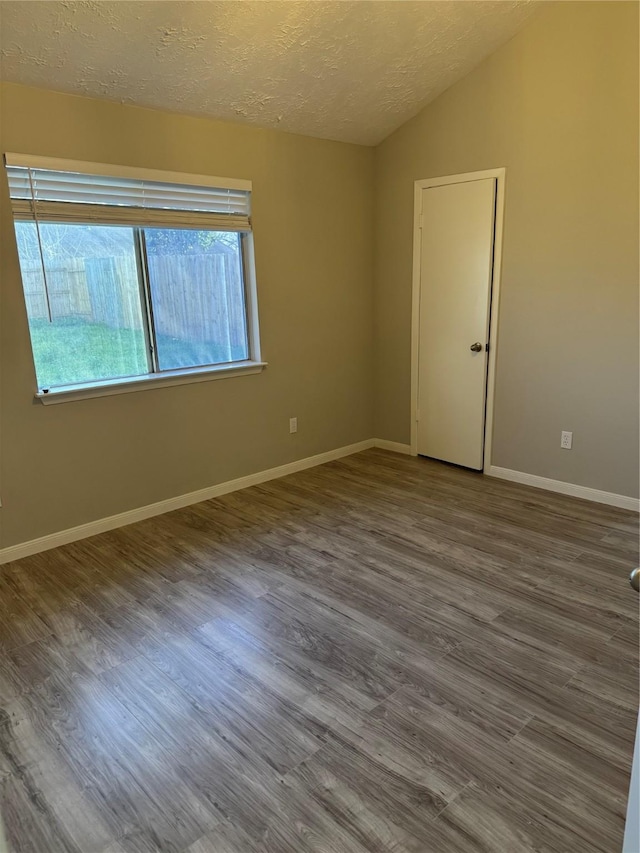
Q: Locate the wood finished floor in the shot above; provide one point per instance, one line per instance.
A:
(380, 654)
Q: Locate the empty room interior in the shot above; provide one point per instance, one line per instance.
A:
(319, 426)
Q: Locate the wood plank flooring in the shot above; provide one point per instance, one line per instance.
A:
(380, 655)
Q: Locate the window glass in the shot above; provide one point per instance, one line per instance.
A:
(197, 295)
(85, 312)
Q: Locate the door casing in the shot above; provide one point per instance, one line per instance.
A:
(499, 175)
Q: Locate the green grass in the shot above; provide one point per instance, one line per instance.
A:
(68, 352)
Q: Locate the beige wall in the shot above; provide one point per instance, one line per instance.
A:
(71, 463)
(558, 107)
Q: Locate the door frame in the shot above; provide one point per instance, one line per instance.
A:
(500, 176)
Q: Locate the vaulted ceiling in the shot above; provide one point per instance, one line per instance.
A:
(353, 71)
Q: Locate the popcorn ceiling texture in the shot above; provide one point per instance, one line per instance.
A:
(352, 71)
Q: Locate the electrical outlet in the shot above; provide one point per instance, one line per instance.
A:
(293, 425)
(566, 440)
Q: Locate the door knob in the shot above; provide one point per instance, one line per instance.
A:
(477, 347)
(634, 579)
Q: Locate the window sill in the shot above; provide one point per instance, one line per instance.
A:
(67, 393)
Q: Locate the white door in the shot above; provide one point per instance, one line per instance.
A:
(456, 265)
(632, 826)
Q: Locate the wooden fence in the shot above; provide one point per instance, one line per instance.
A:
(114, 292)
(68, 294)
(196, 298)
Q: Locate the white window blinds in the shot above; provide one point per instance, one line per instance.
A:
(66, 191)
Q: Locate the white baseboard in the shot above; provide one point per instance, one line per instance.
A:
(101, 525)
(82, 531)
(393, 446)
(572, 489)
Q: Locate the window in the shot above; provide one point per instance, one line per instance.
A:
(130, 277)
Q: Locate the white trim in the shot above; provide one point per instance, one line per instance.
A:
(563, 488)
(393, 446)
(493, 324)
(464, 178)
(415, 312)
(251, 296)
(109, 387)
(631, 842)
(500, 176)
(110, 170)
(101, 525)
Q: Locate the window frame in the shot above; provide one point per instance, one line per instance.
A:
(157, 378)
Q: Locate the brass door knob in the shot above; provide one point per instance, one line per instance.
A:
(477, 347)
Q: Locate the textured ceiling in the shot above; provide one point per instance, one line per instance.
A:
(353, 71)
